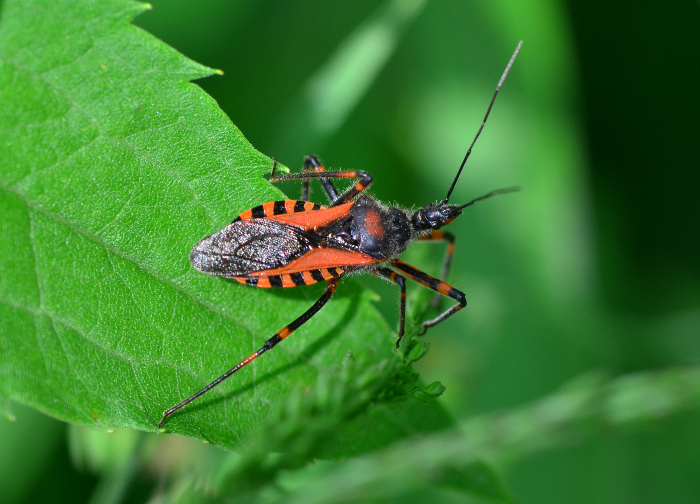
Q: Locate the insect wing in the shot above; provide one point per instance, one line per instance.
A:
(244, 247)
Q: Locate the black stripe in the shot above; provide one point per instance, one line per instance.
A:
(317, 275)
(275, 280)
(316, 206)
(297, 278)
(251, 281)
(458, 295)
(270, 343)
(407, 268)
(258, 212)
(299, 206)
(434, 283)
(279, 208)
(418, 275)
(333, 272)
(296, 324)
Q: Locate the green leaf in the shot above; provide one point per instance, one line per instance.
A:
(477, 478)
(112, 166)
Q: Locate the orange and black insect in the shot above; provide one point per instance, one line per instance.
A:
(291, 243)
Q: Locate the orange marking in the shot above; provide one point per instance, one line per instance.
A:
(319, 258)
(443, 288)
(240, 279)
(327, 275)
(373, 222)
(269, 208)
(309, 206)
(308, 279)
(287, 281)
(283, 333)
(289, 205)
(263, 282)
(247, 215)
(312, 220)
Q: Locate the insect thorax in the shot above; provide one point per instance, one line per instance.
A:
(379, 231)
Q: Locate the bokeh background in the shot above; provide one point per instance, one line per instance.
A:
(593, 266)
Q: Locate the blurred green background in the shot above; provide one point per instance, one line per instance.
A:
(593, 265)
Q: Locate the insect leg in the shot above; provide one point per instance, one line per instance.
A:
(268, 345)
(401, 281)
(437, 285)
(450, 239)
(360, 185)
(313, 162)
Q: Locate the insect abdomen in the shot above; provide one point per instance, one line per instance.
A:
(282, 207)
(292, 279)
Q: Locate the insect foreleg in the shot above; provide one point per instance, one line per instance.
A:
(315, 163)
(360, 185)
(447, 262)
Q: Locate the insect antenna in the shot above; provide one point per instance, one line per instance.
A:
(483, 123)
(492, 193)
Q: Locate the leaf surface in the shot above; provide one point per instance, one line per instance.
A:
(112, 166)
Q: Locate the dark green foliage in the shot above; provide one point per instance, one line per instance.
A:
(113, 164)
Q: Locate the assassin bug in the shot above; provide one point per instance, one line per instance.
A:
(295, 242)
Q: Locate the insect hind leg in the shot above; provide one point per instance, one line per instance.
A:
(268, 345)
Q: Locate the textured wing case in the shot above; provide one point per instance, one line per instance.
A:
(247, 246)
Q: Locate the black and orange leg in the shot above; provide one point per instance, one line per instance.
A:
(313, 162)
(401, 281)
(309, 163)
(438, 286)
(268, 345)
(447, 262)
(360, 185)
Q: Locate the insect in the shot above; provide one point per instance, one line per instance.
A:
(291, 243)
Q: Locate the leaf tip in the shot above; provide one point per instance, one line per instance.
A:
(6, 411)
(137, 8)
